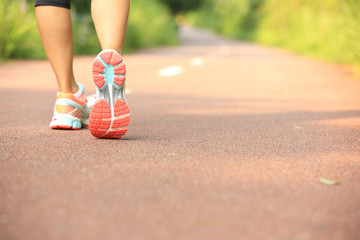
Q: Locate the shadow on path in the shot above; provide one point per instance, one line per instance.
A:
(206, 127)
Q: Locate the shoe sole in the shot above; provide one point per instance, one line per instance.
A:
(65, 123)
(110, 115)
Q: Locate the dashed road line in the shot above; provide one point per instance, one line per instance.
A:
(197, 61)
(170, 71)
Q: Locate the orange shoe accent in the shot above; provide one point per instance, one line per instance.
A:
(63, 127)
(106, 56)
(98, 67)
(120, 108)
(121, 122)
(111, 58)
(64, 109)
(119, 80)
(110, 115)
(120, 69)
(71, 97)
(116, 133)
(77, 113)
(70, 112)
(99, 80)
(100, 118)
(115, 59)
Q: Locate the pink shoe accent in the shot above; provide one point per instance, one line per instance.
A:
(100, 118)
(99, 81)
(112, 58)
(119, 80)
(98, 67)
(106, 56)
(120, 69)
(104, 121)
(116, 59)
(64, 127)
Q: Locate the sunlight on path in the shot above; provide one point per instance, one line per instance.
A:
(170, 71)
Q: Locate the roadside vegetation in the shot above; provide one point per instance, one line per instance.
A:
(19, 37)
(327, 29)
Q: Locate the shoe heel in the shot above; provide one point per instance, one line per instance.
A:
(109, 68)
(110, 115)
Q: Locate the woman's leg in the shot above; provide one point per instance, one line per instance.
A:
(110, 20)
(54, 23)
(110, 115)
(55, 29)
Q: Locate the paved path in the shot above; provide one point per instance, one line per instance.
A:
(230, 146)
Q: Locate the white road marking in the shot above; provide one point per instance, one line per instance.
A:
(224, 50)
(170, 71)
(196, 61)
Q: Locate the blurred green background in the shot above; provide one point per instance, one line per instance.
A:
(150, 24)
(326, 29)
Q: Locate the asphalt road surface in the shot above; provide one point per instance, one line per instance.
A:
(227, 140)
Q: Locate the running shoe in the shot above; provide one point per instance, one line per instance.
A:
(110, 114)
(70, 112)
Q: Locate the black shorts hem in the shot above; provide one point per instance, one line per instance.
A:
(63, 4)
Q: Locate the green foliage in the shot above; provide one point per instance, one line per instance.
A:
(327, 29)
(81, 6)
(17, 24)
(150, 24)
(233, 18)
(84, 34)
(177, 6)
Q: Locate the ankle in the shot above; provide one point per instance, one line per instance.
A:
(73, 88)
(117, 49)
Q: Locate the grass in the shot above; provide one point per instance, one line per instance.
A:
(150, 24)
(327, 29)
(17, 35)
(233, 18)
